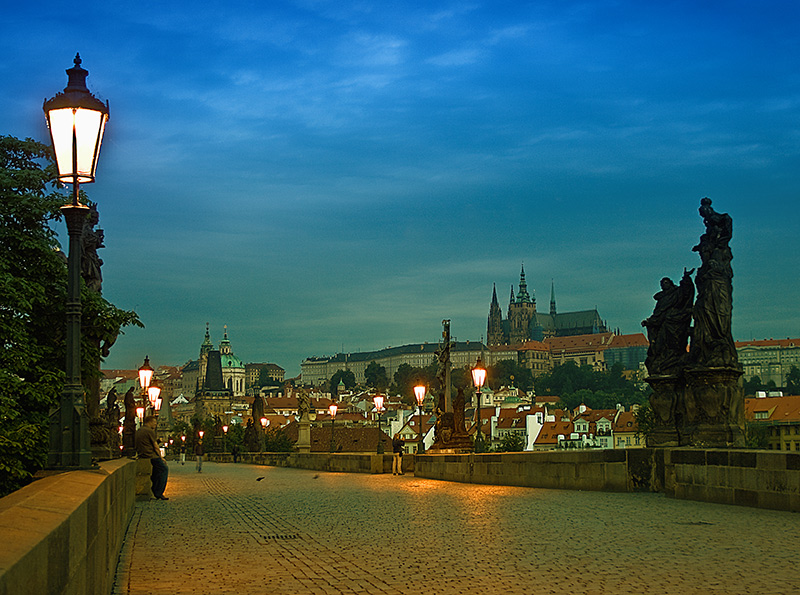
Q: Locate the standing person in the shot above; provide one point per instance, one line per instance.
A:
(235, 453)
(183, 451)
(397, 455)
(147, 448)
(198, 453)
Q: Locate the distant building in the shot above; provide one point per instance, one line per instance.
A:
(781, 418)
(253, 373)
(524, 322)
(769, 359)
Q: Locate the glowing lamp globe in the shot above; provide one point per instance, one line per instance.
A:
(77, 120)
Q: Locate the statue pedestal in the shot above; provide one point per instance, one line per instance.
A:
(714, 404)
(304, 437)
(667, 405)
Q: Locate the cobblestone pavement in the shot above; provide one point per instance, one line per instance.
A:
(296, 532)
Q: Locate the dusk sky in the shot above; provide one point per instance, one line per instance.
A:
(326, 176)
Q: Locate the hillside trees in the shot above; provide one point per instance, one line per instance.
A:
(576, 385)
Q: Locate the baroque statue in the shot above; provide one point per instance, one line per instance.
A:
(668, 326)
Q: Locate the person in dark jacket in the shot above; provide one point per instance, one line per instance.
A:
(397, 458)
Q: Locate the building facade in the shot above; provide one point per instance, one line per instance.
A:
(769, 359)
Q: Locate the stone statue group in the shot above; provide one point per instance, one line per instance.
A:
(692, 361)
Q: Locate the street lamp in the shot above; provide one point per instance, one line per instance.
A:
(332, 410)
(224, 438)
(478, 378)
(153, 395)
(264, 423)
(378, 400)
(419, 393)
(76, 120)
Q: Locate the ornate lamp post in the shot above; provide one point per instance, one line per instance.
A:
(76, 120)
(332, 410)
(419, 394)
(145, 376)
(153, 395)
(378, 400)
(224, 438)
(264, 422)
(478, 378)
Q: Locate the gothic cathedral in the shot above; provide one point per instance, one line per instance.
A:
(524, 323)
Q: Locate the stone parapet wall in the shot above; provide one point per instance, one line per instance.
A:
(63, 533)
(605, 470)
(335, 462)
(758, 478)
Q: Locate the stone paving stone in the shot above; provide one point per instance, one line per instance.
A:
(308, 532)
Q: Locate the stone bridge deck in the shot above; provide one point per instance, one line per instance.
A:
(298, 531)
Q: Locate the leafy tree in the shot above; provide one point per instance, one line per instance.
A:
(575, 384)
(406, 377)
(645, 421)
(375, 376)
(793, 381)
(512, 442)
(501, 373)
(346, 376)
(236, 437)
(756, 434)
(752, 386)
(33, 286)
(276, 440)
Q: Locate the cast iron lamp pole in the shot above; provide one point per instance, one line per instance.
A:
(419, 393)
(76, 120)
(478, 378)
(332, 410)
(378, 400)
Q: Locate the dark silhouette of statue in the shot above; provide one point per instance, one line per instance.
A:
(258, 408)
(712, 342)
(92, 240)
(458, 411)
(129, 425)
(303, 405)
(668, 326)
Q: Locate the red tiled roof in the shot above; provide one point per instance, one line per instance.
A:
(576, 343)
(552, 429)
(769, 343)
(634, 340)
(779, 409)
(626, 422)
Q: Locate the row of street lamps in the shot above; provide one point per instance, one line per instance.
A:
(76, 120)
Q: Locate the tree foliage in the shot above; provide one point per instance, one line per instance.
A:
(507, 372)
(33, 287)
(345, 376)
(375, 376)
(793, 381)
(512, 442)
(576, 385)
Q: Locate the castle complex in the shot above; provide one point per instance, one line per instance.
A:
(524, 323)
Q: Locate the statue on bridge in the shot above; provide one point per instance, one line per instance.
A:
(696, 396)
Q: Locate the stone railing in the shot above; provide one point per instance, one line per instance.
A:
(764, 479)
(63, 533)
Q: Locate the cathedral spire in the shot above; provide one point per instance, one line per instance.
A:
(494, 295)
(552, 298)
(523, 297)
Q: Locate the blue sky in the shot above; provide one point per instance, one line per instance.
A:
(324, 175)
